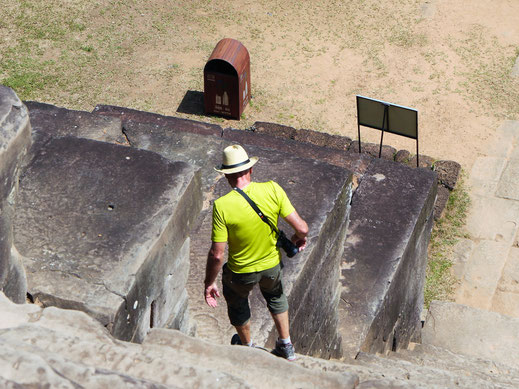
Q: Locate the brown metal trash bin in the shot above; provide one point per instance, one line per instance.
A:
(227, 79)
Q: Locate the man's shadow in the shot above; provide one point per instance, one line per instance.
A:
(192, 103)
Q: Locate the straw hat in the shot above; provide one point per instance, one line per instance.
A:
(235, 159)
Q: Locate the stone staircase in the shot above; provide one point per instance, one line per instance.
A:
(65, 348)
(488, 263)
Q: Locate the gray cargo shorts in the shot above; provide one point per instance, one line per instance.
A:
(237, 286)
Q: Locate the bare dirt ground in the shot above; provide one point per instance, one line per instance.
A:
(450, 60)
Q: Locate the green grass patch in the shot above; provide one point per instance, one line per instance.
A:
(439, 280)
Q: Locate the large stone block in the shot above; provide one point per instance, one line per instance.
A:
(57, 121)
(321, 195)
(53, 347)
(203, 151)
(102, 227)
(355, 163)
(15, 141)
(171, 123)
(385, 256)
(474, 332)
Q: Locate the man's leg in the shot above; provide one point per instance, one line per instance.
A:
(244, 333)
(236, 290)
(282, 324)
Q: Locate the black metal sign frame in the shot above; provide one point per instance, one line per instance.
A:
(389, 117)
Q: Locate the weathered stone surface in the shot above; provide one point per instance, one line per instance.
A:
(488, 168)
(424, 161)
(460, 258)
(373, 149)
(508, 186)
(482, 273)
(101, 228)
(385, 255)
(448, 173)
(504, 139)
(469, 331)
(323, 139)
(203, 151)
(353, 162)
(303, 135)
(441, 201)
(428, 367)
(493, 218)
(475, 371)
(15, 141)
(506, 298)
(374, 369)
(321, 196)
(402, 156)
(274, 129)
(62, 347)
(57, 121)
(259, 363)
(168, 122)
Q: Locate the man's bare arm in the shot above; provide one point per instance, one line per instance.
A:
(215, 261)
(300, 229)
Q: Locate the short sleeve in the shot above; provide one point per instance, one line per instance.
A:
(286, 207)
(219, 230)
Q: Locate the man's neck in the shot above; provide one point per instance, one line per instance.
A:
(242, 182)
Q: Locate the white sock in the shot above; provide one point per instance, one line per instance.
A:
(250, 343)
(284, 341)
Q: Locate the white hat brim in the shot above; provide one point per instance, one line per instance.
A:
(252, 161)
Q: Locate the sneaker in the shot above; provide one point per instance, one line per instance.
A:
(236, 339)
(285, 351)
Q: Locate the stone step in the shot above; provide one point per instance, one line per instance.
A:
(472, 332)
(372, 367)
(440, 358)
(65, 348)
(376, 371)
(506, 298)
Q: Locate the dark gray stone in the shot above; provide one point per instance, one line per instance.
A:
(373, 149)
(274, 129)
(441, 201)
(102, 228)
(402, 156)
(307, 136)
(448, 173)
(323, 139)
(321, 196)
(385, 255)
(423, 161)
(168, 122)
(352, 162)
(15, 140)
(203, 151)
(57, 121)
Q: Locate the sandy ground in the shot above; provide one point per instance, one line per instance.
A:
(450, 60)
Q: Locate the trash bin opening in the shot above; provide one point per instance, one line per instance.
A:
(220, 66)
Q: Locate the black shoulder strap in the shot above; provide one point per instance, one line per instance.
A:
(255, 207)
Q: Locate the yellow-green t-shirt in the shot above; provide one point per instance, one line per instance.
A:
(252, 243)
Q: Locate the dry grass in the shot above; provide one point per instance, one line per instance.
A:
(308, 61)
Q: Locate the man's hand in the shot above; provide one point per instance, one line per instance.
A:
(210, 294)
(299, 242)
(214, 264)
(300, 230)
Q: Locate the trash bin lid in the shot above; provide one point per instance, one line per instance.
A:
(231, 51)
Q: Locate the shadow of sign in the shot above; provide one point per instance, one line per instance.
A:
(192, 103)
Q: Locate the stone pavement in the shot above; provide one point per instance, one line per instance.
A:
(488, 263)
